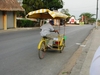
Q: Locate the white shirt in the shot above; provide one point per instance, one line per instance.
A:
(95, 65)
(46, 28)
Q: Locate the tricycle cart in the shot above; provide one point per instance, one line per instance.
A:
(59, 41)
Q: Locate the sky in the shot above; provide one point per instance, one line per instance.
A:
(77, 7)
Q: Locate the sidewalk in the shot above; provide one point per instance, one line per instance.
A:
(82, 66)
(17, 29)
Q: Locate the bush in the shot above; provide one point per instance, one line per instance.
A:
(98, 22)
(26, 23)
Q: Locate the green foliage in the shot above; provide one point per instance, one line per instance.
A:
(26, 23)
(98, 20)
(31, 5)
(88, 17)
(41, 4)
(67, 19)
(92, 20)
(65, 11)
(20, 14)
(55, 4)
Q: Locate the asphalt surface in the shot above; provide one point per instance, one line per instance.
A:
(19, 54)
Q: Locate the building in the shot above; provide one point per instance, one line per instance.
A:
(8, 9)
(56, 21)
(72, 20)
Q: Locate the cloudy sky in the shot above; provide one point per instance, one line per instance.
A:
(76, 7)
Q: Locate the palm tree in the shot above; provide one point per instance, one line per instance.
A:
(87, 17)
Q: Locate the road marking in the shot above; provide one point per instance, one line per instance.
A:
(81, 44)
(78, 43)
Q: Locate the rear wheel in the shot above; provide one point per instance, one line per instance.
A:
(42, 50)
(62, 47)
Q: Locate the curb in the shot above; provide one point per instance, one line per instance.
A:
(93, 47)
(77, 69)
(16, 29)
(74, 65)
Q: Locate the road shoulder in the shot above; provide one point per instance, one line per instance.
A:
(75, 63)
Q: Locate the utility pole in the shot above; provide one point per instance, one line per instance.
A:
(97, 14)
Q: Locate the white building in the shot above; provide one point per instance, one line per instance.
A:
(72, 20)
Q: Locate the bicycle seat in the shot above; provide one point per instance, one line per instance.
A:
(45, 37)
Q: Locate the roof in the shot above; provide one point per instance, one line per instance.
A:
(46, 13)
(10, 5)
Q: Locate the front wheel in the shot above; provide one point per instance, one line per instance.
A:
(41, 52)
(62, 47)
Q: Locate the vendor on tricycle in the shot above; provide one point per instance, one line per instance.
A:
(46, 30)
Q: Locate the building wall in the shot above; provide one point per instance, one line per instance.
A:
(72, 20)
(1, 20)
(56, 21)
(10, 20)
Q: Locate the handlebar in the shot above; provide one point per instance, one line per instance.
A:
(58, 32)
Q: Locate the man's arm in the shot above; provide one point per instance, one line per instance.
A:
(53, 30)
(56, 31)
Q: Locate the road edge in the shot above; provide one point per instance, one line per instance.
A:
(71, 66)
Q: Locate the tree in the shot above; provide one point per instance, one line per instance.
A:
(41, 4)
(32, 5)
(92, 20)
(98, 22)
(56, 4)
(87, 17)
(53, 4)
(65, 11)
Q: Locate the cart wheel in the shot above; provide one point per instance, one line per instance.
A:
(41, 52)
(62, 47)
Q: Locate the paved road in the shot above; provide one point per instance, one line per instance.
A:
(19, 54)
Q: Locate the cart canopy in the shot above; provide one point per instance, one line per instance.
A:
(46, 14)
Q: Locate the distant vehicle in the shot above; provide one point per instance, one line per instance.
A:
(77, 21)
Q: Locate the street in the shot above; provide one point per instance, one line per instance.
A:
(19, 54)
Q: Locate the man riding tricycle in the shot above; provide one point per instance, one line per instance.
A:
(49, 41)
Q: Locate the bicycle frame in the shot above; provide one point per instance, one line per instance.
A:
(42, 40)
(60, 39)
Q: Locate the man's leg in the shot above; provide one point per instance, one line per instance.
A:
(50, 40)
